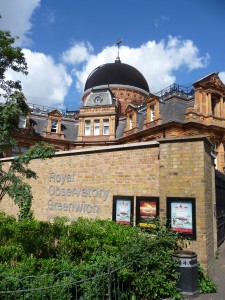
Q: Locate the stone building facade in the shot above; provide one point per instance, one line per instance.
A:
(119, 109)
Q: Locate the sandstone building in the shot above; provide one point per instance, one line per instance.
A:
(118, 108)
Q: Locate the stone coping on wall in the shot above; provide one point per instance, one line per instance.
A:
(185, 138)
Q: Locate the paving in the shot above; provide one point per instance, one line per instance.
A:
(218, 278)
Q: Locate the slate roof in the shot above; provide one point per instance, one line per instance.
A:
(70, 130)
(174, 110)
(39, 123)
(120, 128)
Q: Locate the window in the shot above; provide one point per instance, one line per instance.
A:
(215, 101)
(87, 129)
(17, 150)
(96, 127)
(131, 122)
(213, 107)
(54, 125)
(22, 121)
(152, 113)
(215, 153)
(105, 127)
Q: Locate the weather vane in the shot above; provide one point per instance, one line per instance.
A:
(118, 45)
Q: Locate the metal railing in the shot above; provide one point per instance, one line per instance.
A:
(41, 109)
(108, 283)
(178, 90)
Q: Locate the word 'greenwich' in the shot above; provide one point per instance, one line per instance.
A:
(79, 207)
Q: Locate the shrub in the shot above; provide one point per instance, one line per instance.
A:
(60, 253)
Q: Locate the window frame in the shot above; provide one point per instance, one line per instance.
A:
(152, 113)
(87, 127)
(96, 127)
(54, 125)
(105, 126)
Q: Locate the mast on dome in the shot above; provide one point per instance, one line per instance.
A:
(118, 54)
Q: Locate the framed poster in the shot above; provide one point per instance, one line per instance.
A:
(123, 209)
(147, 209)
(181, 216)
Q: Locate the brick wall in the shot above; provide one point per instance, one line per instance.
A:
(186, 170)
(83, 183)
(91, 177)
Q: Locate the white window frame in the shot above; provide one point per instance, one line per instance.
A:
(87, 128)
(152, 113)
(54, 125)
(130, 122)
(106, 127)
(96, 127)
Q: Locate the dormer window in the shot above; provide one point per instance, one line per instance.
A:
(152, 113)
(215, 106)
(130, 122)
(54, 125)
(22, 121)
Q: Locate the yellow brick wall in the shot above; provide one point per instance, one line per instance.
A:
(186, 170)
(92, 178)
(87, 180)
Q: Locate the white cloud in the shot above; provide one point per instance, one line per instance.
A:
(222, 76)
(47, 82)
(16, 17)
(78, 53)
(156, 61)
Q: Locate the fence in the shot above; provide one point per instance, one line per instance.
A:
(101, 283)
(220, 206)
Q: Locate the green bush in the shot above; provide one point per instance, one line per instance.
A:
(47, 254)
(205, 284)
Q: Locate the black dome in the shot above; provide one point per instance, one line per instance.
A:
(116, 73)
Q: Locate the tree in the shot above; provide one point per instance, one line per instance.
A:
(13, 180)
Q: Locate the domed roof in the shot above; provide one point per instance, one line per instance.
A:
(116, 73)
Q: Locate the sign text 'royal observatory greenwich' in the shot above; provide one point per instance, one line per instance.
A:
(57, 189)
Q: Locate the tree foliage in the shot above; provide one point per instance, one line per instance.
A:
(12, 107)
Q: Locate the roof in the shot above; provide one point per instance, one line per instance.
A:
(116, 73)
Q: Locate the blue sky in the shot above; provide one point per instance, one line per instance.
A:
(167, 40)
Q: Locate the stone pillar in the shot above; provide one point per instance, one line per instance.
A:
(101, 127)
(209, 103)
(112, 128)
(220, 157)
(148, 114)
(80, 129)
(197, 98)
(205, 101)
(221, 107)
(200, 101)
